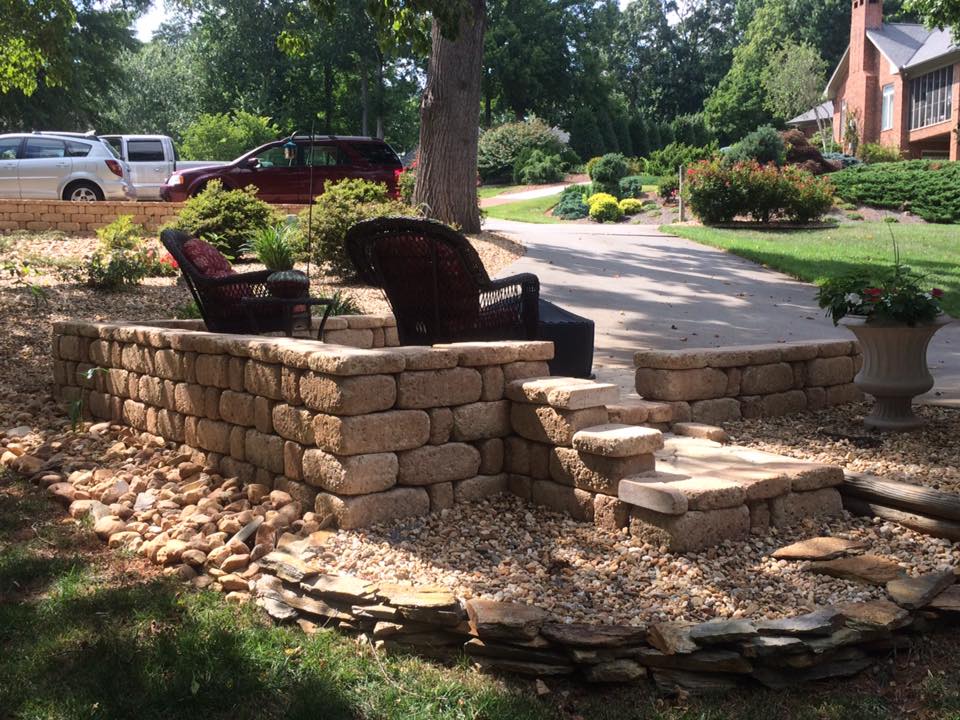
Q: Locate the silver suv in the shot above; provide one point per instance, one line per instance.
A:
(48, 166)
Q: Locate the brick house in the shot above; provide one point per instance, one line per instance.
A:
(899, 83)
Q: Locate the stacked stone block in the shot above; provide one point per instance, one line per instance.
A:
(723, 384)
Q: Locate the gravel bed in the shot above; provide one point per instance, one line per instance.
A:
(928, 457)
(505, 549)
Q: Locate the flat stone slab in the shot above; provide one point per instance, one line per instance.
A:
(819, 548)
(716, 632)
(615, 440)
(880, 615)
(824, 621)
(563, 393)
(655, 492)
(672, 638)
(948, 600)
(701, 431)
(505, 620)
(589, 636)
(869, 569)
(914, 593)
(341, 588)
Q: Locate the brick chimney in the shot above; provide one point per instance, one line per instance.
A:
(866, 15)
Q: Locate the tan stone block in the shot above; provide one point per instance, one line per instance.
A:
(133, 384)
(843, 394)
(655, 492)
(793, 508)
(441, 496)
(135, 414)
(593, 472)
(759, 517)
(438, 388)
(834, 348)
(262, 379)
(348, 361)
(734, 378)
(212, 370)
(236, 371)
(236, 408)
(359, 338)
(438, 463)
(293, 460)
(670, 359)
(707, 493)
(441, 425)
(799, 375)
(521, 486)
(351, 475)
(293, 423)
(479, 487)
(701, 384)
(301, 493)
(211, 403)
(265, 451)
(117, 382)
(563, 393)
(151, 427)
(830, 371)
(798, 351)
(758, 482)
(787, 403)
(481, 421)
(290, 385)
(492, 378)
(701, 431)
(365, 510)
(715, 412)
(190, 367)
(150, 390)
(804, 476)
(379, 432)
(238, 443)
(214, 436)
(473, 354)
(751, 407)
(416, 357)
(136, 359)
(348, 395)
(99, 352)
(545, 424)
(263, 414)
(617, 441)
(168, 364)
(73, 347)
(491, 456)
(574, 502)
(516, 455)
(379, 338)
(523, 369)
(610, 513)
(692, 531)
(679, 412)
(540, 460)
(391, 337)
(816, 398)
(766, 379)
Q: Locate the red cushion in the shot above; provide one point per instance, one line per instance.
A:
(208, 260)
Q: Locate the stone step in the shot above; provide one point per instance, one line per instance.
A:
(634, 411)
(562, 393)
(617, 440)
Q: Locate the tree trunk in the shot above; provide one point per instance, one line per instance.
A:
(364, 102)
(328, 97)
(450, 123)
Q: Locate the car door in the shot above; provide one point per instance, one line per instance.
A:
(43, 166)
(274, 175)
(9, 182)
(149, 168)
(329, 165)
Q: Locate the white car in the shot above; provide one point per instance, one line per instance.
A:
(52, 166)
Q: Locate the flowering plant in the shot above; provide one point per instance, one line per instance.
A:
(893, 295)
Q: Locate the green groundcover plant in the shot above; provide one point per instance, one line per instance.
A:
(928, 188)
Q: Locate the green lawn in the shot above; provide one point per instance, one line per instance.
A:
(529, 211)
(815, 255)
(489, 191)
(85, 633)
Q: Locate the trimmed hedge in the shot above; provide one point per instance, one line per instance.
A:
(928, 188)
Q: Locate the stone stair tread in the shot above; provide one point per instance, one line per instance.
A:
(562, 393)
(618, 440)
(636, 411)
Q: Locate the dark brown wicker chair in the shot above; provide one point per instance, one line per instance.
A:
(437, 285)
(219, 296)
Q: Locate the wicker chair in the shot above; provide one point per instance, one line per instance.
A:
(218, 293)
(437, 285)
(440, 292)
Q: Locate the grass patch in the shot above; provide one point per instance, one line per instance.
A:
(489, 191)
(816, 255)
(529, 211)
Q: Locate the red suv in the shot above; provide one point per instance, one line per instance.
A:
(282, 169)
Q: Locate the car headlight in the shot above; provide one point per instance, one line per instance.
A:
(175, 180)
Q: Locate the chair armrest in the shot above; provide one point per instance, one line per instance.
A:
(249, 278)
(524, 289)
(528, 281)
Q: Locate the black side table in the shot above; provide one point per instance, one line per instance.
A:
(285, 306)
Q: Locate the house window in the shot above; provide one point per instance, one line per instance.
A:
(931, 98)
(886, 110)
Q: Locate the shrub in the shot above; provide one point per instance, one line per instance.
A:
(668, 160)
(406, 184)
(572, 205)
(121, 234)
(500, 147)
(273, 246)
(599, 197)
(842, 158)
(928, 188)
(718, 192)
(764, 145)
(632, 185)
(535, 167)
(872, 153)
(668, 187)
(115, 269)
(608, 171)
(631, 206)
(226, 137)
(226, 218)
(341, 206)
(590, 164)
(604, 208)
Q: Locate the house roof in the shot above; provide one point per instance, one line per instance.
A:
(907, 46)
(825, 111)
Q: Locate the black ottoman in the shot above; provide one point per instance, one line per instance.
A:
(572, 338)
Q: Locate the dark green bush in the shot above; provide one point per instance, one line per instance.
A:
(536, 167)
(500, 147)
(668, 160)
(406, 184)
(226, 218)
(668, 187)
(872, 153)
(342, 205)
(928, 188)
(843, 159)
(116, 269)
(765, 145)
(632, 185)
(572, 204)
(607, 172)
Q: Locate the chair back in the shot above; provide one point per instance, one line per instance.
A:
(173, 241)
(431, 274)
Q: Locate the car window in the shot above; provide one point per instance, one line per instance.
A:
(323, 156)
(77, 149)
(8, 148)
(144, 150)
(39, 148)
(114, 143)
(273, 157)
(376, 153)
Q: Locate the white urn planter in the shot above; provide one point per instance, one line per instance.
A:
(894, 368)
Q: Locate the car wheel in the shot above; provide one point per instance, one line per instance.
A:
(83, 192)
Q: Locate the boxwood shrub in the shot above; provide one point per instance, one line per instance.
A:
(572, 204)
(928, 188)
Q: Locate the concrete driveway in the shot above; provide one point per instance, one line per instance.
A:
(644, 289)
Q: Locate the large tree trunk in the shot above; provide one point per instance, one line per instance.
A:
(450, 123)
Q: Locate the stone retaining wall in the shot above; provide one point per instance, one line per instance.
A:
(723, 384)
(75, 217)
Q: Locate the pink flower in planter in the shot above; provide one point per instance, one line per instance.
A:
(937, 293)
